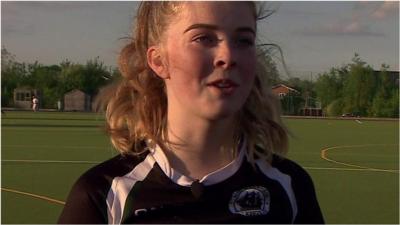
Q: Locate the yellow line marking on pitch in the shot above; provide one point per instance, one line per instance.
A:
(325, 157)
(52, 200)
(340, 169)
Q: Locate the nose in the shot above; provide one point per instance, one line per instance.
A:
(226, 56)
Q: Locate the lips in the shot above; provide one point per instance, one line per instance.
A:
(225, 86)
(223, 83)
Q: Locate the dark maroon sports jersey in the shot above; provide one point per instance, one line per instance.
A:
(145, 189)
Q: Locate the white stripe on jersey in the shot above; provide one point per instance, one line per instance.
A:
(214, 177)
(283, 179)
(121, 186)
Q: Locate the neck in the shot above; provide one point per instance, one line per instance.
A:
(200, 146)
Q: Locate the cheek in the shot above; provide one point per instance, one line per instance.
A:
(188, 65)
(248, 68)
(186, 69)
(182, 58)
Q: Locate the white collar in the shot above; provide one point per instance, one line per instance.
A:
(212, 178)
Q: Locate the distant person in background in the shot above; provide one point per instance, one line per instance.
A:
(199, 132)
(35, 103)
(59, 105)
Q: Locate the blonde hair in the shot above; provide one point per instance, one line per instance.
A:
(137, 109)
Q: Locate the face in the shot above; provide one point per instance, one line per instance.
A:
(210, 59)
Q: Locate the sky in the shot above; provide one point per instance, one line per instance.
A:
(314, 36)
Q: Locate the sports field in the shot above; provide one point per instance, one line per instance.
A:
(354, 164)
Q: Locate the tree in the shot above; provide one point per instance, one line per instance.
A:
(94, 75)
(335, 108)
(359, 88)
(328, 88)
(386, 100)
(70, 77)
(13, 74)
(54, 80)
(356, 88)
(47, 79)
(7, 59)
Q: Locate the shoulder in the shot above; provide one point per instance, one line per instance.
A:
(289, 167)
(103, 174)
(300, 179)
(287, 172)
(86, 202)
(290, 174)
(309, 210)
(282, 166)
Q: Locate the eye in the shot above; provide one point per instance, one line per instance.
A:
(207, 40)
(245, 41)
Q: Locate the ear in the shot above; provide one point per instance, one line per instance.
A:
(155, 61)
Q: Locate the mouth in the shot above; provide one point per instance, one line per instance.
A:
(226, 86)
(223, 83)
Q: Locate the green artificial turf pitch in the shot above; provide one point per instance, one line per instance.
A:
(43, 153)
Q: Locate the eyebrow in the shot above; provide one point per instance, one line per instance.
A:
(214, 27)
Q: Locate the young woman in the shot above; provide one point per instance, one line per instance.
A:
(198, 129)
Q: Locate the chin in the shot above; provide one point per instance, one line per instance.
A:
(223, 113)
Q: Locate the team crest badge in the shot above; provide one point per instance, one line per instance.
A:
(251, 201)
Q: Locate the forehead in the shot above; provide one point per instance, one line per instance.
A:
(220, 13)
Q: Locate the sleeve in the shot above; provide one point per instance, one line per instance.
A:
(84, 205)
(309, 210)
